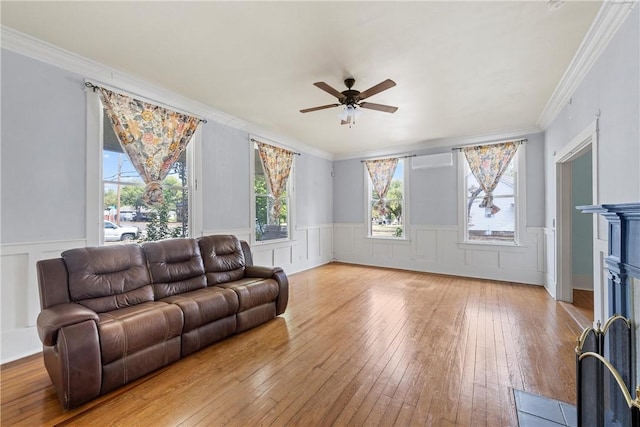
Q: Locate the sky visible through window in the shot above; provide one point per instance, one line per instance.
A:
(110, 167)
(127, 173)
(399, 173)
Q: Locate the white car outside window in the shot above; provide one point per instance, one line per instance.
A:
(115, 233)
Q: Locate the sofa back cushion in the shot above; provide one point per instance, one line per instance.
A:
(223, 258)
(175, 266)
(107, 278)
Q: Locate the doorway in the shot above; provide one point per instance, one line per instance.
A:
(582, 234)
(578, 264)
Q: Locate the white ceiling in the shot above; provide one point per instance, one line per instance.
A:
(462, 69)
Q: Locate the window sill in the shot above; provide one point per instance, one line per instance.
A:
(282, 242)
(493, 246)
(399, 240)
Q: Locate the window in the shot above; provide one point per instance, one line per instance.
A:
(497, 221)
(387, 218)
(122, 204)
(270, 225)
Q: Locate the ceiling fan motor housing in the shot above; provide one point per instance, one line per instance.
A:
(350, 95)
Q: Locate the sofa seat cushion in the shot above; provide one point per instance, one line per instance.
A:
(253, 292)
(204, 306)
(132, 329)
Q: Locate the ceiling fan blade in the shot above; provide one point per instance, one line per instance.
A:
(379, 107)
(325, 87)
(387, 84)
(308, 110)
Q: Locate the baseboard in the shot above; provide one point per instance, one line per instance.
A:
(583, 282)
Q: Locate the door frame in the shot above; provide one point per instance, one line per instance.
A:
(583, 142)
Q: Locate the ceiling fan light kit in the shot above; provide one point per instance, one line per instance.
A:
(352, 99)
(349, 115)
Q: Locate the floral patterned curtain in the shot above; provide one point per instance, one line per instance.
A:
(153, 138)
(276, 163)
(487, 164)
(381, 173)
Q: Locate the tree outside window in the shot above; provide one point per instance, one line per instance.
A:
(268, 227)
(388, 220)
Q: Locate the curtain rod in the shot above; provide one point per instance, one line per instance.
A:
(396, 157)
(255, 140)
(94, 87)
(521, 141)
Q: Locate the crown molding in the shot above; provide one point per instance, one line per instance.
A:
(609, 19)
(441, 142)
(48, 53)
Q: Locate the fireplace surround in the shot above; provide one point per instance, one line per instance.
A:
(608, 362)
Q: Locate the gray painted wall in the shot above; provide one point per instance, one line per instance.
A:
(433, 193)
(348, 191)
(314, 190)
(535, 180)
(226, 175)
(582, 224)
(48, 158)
(42, 152)
(611, 89)
(226, 182)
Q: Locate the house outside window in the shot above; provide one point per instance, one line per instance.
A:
(387, 219)
(270, 227)
(501, 223)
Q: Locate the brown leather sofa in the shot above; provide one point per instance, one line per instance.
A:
(112, 314)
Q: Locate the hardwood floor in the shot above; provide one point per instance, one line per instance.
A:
(356, 346)
(583, 301)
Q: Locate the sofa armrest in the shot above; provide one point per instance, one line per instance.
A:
(74, 363)
(277, 274)
(52, 319)
(260, 272)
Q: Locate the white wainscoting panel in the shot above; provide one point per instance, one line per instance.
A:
(482, 259)
(425, 246)
(20, 295)
(436, 249)
(263, 257)
(283, 256)
(310, 246)
(448, 247)
(550, 282)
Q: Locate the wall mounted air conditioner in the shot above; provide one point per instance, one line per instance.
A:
(432, 161)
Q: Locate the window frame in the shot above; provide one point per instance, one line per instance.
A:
(94, 175)
(520, 198)
(368, 188)
(290, 194)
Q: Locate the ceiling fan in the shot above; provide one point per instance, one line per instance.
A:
(351, 99)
